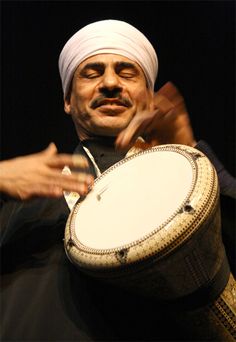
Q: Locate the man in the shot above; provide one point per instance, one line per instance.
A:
(108, 70)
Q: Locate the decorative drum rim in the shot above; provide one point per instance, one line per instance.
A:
(200, 201)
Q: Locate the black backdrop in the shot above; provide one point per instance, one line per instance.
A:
(195, 43)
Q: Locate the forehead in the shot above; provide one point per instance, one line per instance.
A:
(109, 60)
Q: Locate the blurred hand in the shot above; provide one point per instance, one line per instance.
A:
(40, 174)
(165, 122)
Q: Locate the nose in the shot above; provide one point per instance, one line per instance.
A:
(110, 84)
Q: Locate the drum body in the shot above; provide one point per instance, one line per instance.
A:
(153, 217)
(152, 224)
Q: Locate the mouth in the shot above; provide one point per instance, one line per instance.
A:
(111, 103)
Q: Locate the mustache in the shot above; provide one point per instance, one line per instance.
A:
(100, 100)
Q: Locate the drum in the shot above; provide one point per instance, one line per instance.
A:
(151, 224)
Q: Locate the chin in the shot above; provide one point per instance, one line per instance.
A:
(111, 126)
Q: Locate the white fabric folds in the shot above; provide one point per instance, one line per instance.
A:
(107, 36)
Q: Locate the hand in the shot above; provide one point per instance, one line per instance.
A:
(165, 122)
(40, 175)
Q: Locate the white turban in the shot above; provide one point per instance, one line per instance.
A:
(107, 36)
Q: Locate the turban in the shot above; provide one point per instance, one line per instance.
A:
(107, 36)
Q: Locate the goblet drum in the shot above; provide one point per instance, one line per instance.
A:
(151, 224)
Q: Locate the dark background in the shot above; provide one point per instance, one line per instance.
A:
(195, 43)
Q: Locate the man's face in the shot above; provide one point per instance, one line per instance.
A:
(106, 92)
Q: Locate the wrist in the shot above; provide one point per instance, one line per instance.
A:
(6, 182)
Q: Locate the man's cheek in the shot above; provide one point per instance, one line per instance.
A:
(143, 101)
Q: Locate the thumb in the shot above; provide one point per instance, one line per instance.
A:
(51, 149)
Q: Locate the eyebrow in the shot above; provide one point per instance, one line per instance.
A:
(94, 65)
(126, 65)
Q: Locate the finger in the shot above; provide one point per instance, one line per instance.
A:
(47, 152)
(138, 127)
(126, 138)
(51, 149)
(57, 191)
(82, 177)
(75, 161)
(170, 91)
(132, 131)
(52, 191)
(73, 181)
(80, 188)
(80, 161)
(45, 190)
(162, 102)
(57, 188)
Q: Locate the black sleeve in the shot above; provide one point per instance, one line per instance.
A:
(29, 229)
(227, 185)
(226, 181)
(21, 218)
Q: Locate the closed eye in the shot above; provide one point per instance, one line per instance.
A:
(127, 74)
(91, 74)
(126, 70)
(92, 70)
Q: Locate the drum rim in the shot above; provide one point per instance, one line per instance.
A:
(181, 149)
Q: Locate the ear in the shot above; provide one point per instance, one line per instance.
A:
(67, 106)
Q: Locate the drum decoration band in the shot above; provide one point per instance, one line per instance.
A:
(152, 225)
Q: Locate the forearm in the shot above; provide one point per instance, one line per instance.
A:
(6, 181)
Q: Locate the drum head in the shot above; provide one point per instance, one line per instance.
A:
(133, 199)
